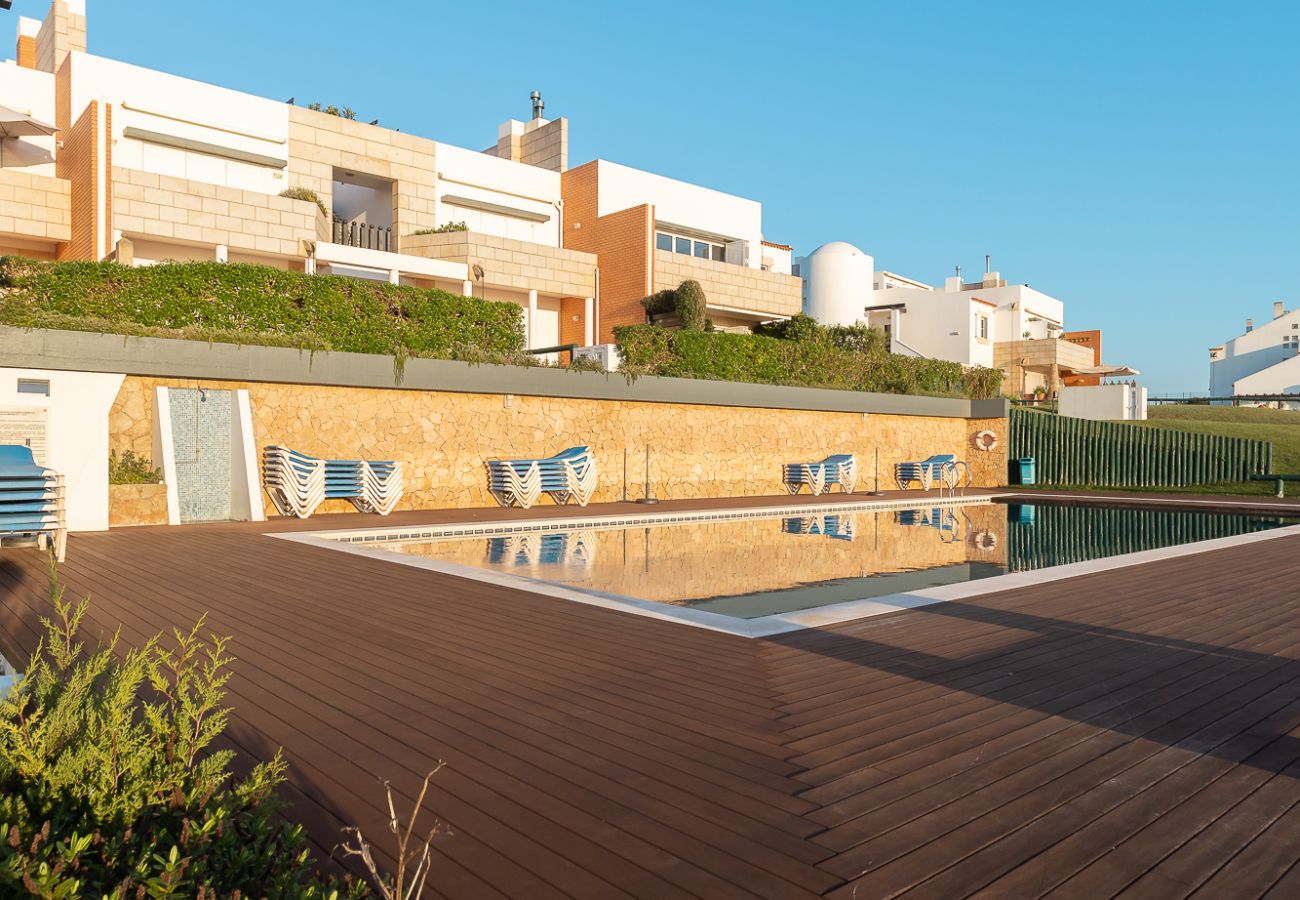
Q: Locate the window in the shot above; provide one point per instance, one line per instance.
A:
(699, 249)
(34, 386)
(982, 327)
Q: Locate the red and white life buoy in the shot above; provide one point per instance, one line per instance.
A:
(985, 540)
(986, 440)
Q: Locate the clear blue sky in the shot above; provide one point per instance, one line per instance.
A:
(1136, 160)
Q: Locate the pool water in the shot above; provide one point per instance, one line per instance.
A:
(755, 567)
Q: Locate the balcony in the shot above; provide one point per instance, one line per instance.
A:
(35, 210)
(1040, 362)
(509, 263)
(359, 234)
(732, 292)
(165, 208)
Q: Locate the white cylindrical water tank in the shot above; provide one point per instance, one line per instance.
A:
(837, 281)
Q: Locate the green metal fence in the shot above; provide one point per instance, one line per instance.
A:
(1117, 454)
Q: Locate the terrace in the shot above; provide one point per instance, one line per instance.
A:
(1055, 737)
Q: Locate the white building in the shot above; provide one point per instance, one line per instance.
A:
(1260, 361)
(984, 323)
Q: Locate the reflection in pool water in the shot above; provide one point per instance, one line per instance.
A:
(753, 567)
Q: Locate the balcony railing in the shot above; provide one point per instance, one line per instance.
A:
(359, 234)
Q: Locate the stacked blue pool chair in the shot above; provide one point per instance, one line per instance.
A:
(298, 483)
(568, 475)
(31, 501)
(841, 469)
(943, 469)
(942, 520)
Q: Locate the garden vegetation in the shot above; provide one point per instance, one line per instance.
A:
(251, 304)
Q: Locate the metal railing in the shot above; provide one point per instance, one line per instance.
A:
(359, 234)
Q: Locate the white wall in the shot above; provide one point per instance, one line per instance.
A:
(477, 176)
(680, 203)
(31, 92)
(76, 435)
(1253, 352)
(362, 203)
(180, 107)
(777, 259)
(939, 324)
(1104, 402)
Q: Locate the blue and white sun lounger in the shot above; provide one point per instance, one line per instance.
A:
(841, 469)
(568, 475)
(31, 501)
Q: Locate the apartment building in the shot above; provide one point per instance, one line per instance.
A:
(147, 166)
(1263, 360)
(988, 322)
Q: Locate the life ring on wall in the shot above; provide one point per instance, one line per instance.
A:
(985, 540)
(986, 440)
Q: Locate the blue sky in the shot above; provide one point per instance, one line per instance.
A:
(1138, 161)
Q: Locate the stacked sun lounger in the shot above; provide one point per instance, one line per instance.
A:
(839, 469)
(566, 548)
(568, 475)
(31, 501)
(298, 483)
(943, 469)
(940, 519)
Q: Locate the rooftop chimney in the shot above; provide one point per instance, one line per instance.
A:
(1250, 325)
(1278, 311)
(538, 105)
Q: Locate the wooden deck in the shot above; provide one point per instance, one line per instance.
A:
(1136, 731)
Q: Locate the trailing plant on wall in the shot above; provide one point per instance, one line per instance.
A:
(651, 350)
(302, 193)
(132, 468)
(247, 304)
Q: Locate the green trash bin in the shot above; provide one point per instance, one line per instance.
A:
(1026, 470)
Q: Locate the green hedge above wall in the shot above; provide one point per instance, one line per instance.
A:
(248, 304)
(720, 356)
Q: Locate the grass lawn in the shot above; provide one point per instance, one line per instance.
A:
(1280, 427)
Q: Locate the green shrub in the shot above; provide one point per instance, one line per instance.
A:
(444, 229)
(651, 350)
(302, 193)
(686, 300)
(132, 468)
(110, 785)
(691, 306)
(247, 304)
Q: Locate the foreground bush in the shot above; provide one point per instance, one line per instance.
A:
(248, 304)
(109, 785)
(846, 359)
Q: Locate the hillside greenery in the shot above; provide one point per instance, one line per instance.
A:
(251, 304)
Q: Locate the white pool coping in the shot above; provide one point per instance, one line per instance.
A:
(362, 542)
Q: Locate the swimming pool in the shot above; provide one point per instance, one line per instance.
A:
(762, 572)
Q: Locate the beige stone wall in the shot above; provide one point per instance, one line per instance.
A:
(61, 32)
(35, 206)
(137, 504)
(319, 142)
(443, 438)
(736, 287)
(508, 263)
(167, 208)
